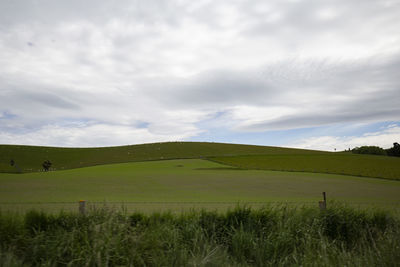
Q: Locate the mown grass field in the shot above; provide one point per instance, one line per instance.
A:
(335, 163)
(180, 181)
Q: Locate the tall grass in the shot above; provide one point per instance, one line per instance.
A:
(271, 236)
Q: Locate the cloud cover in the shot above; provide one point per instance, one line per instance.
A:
(90, 73)
(379, 138)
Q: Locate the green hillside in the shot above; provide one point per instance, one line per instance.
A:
(30, 158)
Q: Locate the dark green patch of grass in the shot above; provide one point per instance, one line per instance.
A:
(334, 163)
(219, 169)
(271, 236)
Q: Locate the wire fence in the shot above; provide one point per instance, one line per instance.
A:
(177, 206)
(199, 202)
(164, 202)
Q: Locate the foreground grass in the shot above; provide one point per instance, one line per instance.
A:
(334, 163)
(271, 236)
(180, 181)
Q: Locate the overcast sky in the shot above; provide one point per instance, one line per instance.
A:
(312, 74)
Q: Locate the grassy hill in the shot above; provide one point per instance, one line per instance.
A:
(30, 158)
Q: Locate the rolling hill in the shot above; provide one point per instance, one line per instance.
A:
(30, 158)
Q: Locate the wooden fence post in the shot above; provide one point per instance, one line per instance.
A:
(322, 204)
(82, 207)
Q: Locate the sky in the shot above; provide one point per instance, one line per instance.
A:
(309, 74)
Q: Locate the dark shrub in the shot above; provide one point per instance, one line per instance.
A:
(371, 150)
(38, 221)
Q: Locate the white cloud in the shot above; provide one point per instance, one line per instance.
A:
(383, 138)
(169, 65)
(93, 135)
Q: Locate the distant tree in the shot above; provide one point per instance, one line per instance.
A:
(15, 165)
(371, 150)
(394, 151)
(46, 165)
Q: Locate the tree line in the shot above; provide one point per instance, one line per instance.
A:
(376, 150)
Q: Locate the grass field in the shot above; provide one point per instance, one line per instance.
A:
(177, 201)
(180, 181)
(335, 163)
(30, 158)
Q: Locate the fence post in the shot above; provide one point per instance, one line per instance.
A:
(322, 204)
(82, 207)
